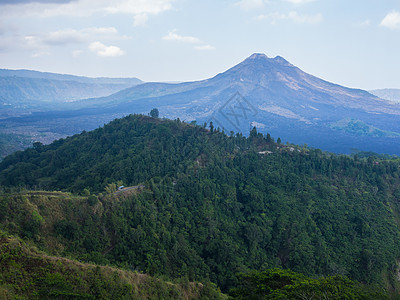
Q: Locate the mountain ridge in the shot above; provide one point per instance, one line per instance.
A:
(28, 90)
(58, 76)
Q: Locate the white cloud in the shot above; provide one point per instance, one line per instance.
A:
(250, 4)
(257, 4)
(105, 51)
(140, 19)
(61, 37)
(199, 44)
(173, 36)
(391, 20)
(71, 36)
(292, 16)
(136, 6)
(85, 8)
(101, 30)
(204, 47)
(44, 42)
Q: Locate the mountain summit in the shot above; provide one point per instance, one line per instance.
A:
(259, 68)
(257, 56)
(260, 58)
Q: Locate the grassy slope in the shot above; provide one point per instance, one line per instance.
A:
(26, 273)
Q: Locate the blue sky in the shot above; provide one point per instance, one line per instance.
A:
(352, 43)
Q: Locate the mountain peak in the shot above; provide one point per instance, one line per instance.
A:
(258, 69)
(262, 58)
(258, 56)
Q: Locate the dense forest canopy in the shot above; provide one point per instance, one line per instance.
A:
(286, 284)
(212, 204)
(26, 273)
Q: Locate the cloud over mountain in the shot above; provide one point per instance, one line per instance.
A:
(391, 20)
(173, 36)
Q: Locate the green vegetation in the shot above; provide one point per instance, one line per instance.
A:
(26, 273)
(154, 113)
(285, 284)
(366, 154)
(213, 205)
(360, 128)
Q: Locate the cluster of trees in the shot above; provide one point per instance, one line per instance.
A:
(131, 150)
(286, 284)
(213, 205)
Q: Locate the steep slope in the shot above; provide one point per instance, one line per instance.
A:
(269, 93)
(212, 205)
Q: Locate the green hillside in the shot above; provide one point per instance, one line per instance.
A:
(286, 284)
(212, 205)
(358, 127)
(26, 273)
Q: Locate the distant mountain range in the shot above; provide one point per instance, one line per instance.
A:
(268, 93)
(25, 89)
(387, 94)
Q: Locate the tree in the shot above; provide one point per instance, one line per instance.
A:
(268, 139)
(253, 132)
(286, 284)
(154, 113)
(279, 140)
(38, 146)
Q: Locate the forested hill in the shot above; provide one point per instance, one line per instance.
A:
(212, 204)
(131, 150)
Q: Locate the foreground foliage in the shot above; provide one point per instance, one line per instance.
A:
(286, 284)
(26, 273)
